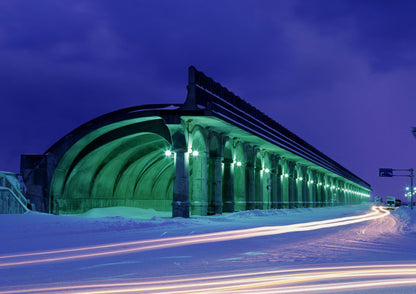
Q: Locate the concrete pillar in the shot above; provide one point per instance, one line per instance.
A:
(321, 189)
(348, 194)
(250, 186)
(240, 177)
(180, 203)
(267, 181)
(198, 185)
(215, 185)
(312, 187)
(299, 185)
(342, 193)
(327, 189)
(284, 183)
(259, 177)
(318, 186)
(303, 183)
(228, 185)
(274, 171)
(334, 194)
(250, 177)
(292, 185)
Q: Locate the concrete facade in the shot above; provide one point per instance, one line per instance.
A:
(214, 153)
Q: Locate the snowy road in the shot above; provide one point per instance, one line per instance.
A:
(305, 250)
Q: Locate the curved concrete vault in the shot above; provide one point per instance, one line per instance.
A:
(215, 153)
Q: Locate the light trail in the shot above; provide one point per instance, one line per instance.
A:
(318, 279)
(153, 244)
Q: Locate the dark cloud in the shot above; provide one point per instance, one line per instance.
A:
(338, 73)
(383, 31)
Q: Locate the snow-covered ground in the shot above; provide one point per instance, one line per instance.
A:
(129, 250)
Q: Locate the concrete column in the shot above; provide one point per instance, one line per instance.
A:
(299, 186)
(284, 183)
(312, 187)
(303, 183)
(250, 186)
(215, 185)
(342, 193)
(274, 180)
(250, 155)
(198, 184)
(292, 185)
(258, 179)
(239, 177)
(347, 194)
(334, 194)
(318, 189)
(180, 204)
(327, 189)
(228, 186)
(322, 190)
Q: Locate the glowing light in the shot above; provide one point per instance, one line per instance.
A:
(168, 153)
(295, 280)
(286, 175)
(154, 244)
(238, 163)
(195, 153)
(266, 170)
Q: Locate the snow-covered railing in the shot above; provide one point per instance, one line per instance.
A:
(11, 197)
(10, 202)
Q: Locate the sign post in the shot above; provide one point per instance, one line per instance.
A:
(388, 173)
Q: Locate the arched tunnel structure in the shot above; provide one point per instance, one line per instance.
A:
(214, 153)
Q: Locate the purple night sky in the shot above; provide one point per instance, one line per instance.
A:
(340, 74)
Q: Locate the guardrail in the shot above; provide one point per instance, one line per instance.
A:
(10, 202)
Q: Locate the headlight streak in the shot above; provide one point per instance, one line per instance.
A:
(272, 281)
(153, 244)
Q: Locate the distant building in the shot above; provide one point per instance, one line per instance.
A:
(214, 153)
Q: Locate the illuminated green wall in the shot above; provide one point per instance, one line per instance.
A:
(222, 169)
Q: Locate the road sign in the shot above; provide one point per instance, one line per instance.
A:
(385, 172)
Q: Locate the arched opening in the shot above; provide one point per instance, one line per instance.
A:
(123, 164)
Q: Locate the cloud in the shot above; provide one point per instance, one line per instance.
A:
(382, 31)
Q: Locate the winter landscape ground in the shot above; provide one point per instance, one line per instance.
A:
(129, 250)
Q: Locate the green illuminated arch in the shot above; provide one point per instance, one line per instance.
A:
(121, 164)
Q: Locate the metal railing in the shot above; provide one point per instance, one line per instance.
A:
(11, 203)
(12, 199)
